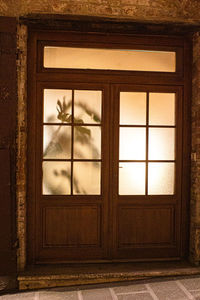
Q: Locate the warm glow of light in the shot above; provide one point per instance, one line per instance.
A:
(131, 178)
(109, 59)
(161, 178)
(132, 143)
(161, 143)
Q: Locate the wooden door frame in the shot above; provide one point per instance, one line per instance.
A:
(182, 77)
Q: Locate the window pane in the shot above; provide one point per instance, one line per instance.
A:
(162, 108)
(87, 178)
(87, 142)
(57, 141)
(109, 59)
(87, 106)
(161, 179)
(161, 143)
(56, 178)
(132, 143)
(131, 178)
(132, 108)
(57, 106)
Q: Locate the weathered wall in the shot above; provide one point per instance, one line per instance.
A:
(21, 143)
(195, 163)
(184, 11)
(156, 10)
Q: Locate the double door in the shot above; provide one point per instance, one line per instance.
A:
(108, 173)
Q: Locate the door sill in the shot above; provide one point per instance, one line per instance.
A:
(38, 277)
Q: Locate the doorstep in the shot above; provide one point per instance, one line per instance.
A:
(38, 277)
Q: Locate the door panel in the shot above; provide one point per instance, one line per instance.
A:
(147, 229)
(146, 190)
(72, 189)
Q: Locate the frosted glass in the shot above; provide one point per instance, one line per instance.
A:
(56, 178)
(87, 142)
(162, 108)
(161, 143)
(87, 106)
(87, 178)
(161, 178)
(132, 108)
(53, 112)
(56, 141)
(131, 178)
(132, 143)
(109, 59)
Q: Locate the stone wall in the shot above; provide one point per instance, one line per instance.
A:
(186, 11)
(21, 144)
(183, 11)
(195, 158)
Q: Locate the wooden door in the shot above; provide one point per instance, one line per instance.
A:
(147, 172)
(108, 151)
(86, 150)
(72, 172)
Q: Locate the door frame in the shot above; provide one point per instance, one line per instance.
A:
(181, 77)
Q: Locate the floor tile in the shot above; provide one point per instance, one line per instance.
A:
(19, 296)
(97, 294)
(58, 295)
(191, 284)
(141, 296)
(167, 291)
(129, 288)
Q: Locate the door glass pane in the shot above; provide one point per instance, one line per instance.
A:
(87, 178)
(132, 143)
(87, 142)
(109, 59)
(57, 105)
(162, 108)
(87, 106)
(57, 141)
(161, 143)
(56, 178)
(161, 179)
(131, 178)
(132, 108)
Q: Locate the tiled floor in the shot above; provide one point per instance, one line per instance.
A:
(176, 289)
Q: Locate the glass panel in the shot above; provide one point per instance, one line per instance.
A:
(87, 106)
(162, 108)
(161, 179)
(132, 143)
(87, 142)
(131, 178)
(161, 143)
(109, 59)
(57, 106)
(132, 108)
(56, 178)
(87, 178)
(57, 142)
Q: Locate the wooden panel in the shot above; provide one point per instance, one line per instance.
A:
(8, 102)
(75, 226)
(145, 226)
(5, 206)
